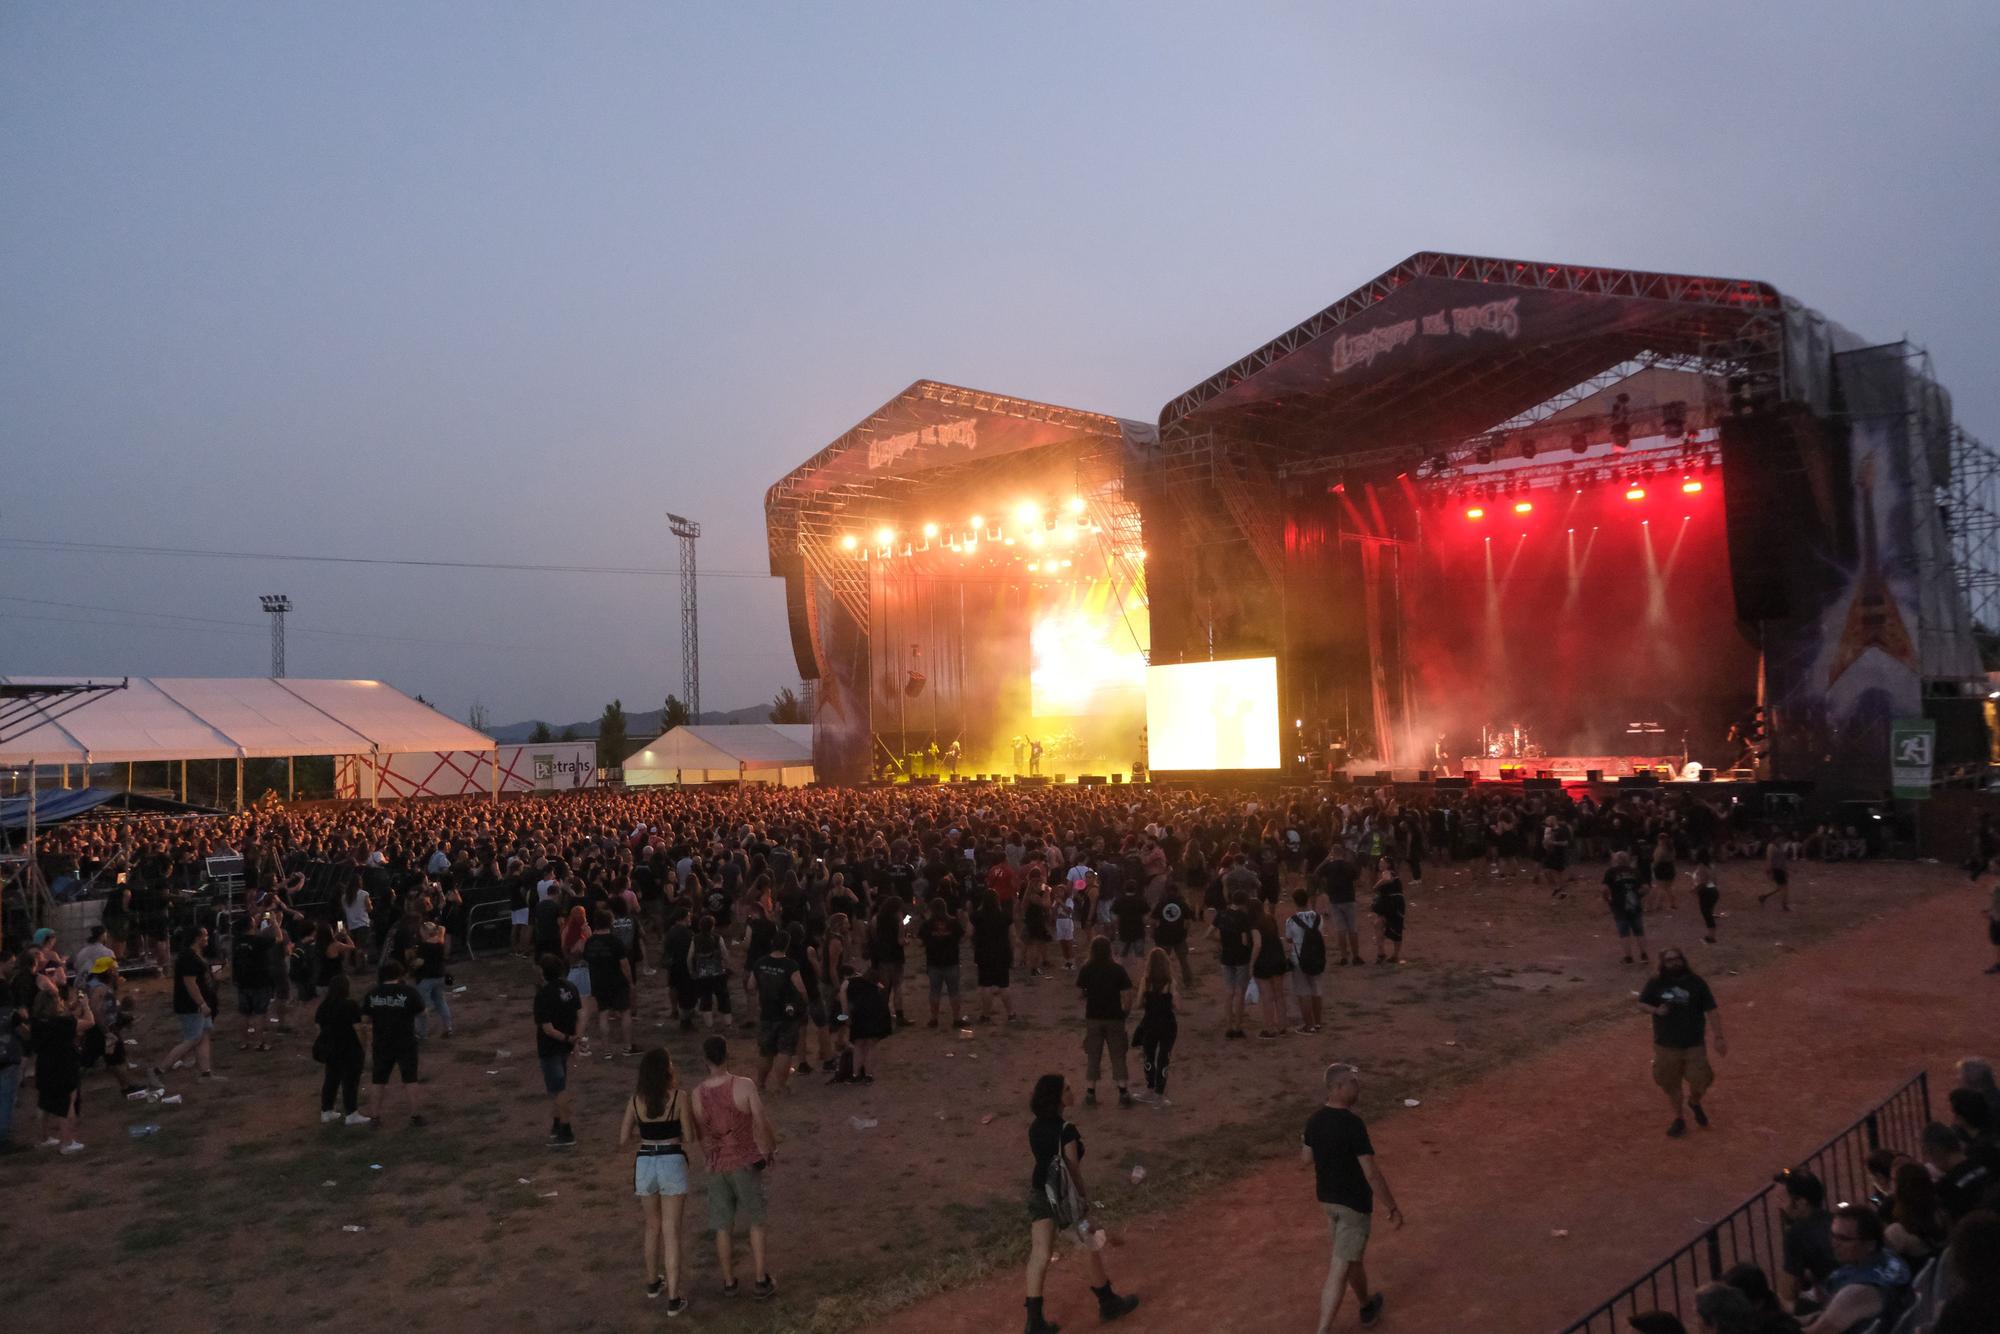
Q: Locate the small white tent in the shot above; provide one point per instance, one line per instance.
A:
(779, 753)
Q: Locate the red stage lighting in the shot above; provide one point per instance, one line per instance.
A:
(1690, 486)
(1635, 493)
(1523, 507)
(1475, 513)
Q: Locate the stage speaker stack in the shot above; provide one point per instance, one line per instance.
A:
(1032, 780)
(1510, 773)
(1708, 775)
(1423, 775)
(1117, 779)
(1593, 775)
(1090, 780)
(1381, 777)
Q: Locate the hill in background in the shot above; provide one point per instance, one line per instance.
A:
(638, 726)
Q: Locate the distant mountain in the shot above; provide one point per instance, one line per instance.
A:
(638, 726)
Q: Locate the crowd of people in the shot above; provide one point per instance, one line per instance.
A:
(806, 906)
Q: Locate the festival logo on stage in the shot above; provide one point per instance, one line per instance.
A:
(1500, 318)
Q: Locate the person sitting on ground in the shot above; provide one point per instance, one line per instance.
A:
(1871, 1283)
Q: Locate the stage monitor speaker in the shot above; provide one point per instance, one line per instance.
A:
(1423, 775)
(1545, 773)
(1117, 778)
(1381, 776)
(1540, 784)
(1453, 784)
(1509, 772)
(1593, 775)
(1032, 780)
(1090, 780)
(1708, 775)
(1638, 780)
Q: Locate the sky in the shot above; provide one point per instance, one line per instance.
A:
(508, 282)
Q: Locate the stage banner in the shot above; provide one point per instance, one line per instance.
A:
(1912, 746)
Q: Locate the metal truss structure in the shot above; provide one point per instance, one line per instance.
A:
(278, 605)
(687, 530)
(1972, 516)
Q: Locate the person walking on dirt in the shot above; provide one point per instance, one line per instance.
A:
(1706, 893)
(1347, 1182)
(660, 1175)
(1050, 1135)
(741, 1144)
(1683, 1011)
(1625, 895)
(1778, 865)
(558, 1012)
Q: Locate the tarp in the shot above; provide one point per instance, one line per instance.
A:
(53, 807)
(221, 718)
(722, 749)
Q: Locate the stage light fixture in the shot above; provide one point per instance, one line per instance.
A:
(1529, 448)
(884, 536)
(1035, 538)
(979, 521)
(1076, 504)
(1578, 442)
(1027, 512)
(1065, 563)
(1475, 513)
(1524, 507)
(1635, 493)
(1034, 567)
(930, 530)
(849, 542)
(1690, 486)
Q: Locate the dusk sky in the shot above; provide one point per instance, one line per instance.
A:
(506, 282)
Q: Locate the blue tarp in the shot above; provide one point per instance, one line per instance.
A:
(53, 807)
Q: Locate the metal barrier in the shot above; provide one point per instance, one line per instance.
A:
(1754, 1230)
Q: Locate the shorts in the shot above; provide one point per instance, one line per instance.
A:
(994, 974)
(1065, 928)
(555, 1071)
(1303, 984)
(944, 981)
(778, 1035)
(1632, 925)
(1349, 1229)
(1392, 929)
(816, 1014)
(1555, 859)
(1038, 1206)
(1673, 1065)
(616, 998)
(403, 1062)
(58, 1097)
(193, 1026)
(520, 917)
(252, 1001)
(1342, 915)
(660, 1174)
(735, 1197)
(579, 977)
(1236, 976)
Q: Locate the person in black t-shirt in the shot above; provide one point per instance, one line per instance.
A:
(781, 1010)
(1347, 1182)
(993, 955)
(1336, 878)
(610, 965)
(1231, 925)
(1103, 983)
(339, 1050)
(941, 934)
(391, 1010)
(1625, 894)
(194, 1003)
(558, 1007)
(1050, 1134)
(1170, 927)
(1683, 1010)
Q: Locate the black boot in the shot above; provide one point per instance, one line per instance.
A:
(1036, 1324)
(1110, 1305)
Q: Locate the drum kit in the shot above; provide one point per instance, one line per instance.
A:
(1509, 741)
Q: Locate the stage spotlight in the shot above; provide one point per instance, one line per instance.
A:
(1690, 486)
(1635, 493)
(930, 530)
(1034, 567)
(1483, 454)
(1578, 442)
(1027, 512)
(884, 536)
(1528, 447)
(1523, 507)
(1475, 513)
(979, 521)
(1065, 563)
(849, 542)
(1035, 538)
(1076, 504)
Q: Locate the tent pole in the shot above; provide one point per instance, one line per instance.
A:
(184, 782)
(291, 784)
(493, 772)
(374, 776)
(239, 782)
(128, 784)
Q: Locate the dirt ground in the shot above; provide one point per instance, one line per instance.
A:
(1512, 1024)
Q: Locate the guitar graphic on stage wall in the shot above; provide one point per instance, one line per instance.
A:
(1873, 618)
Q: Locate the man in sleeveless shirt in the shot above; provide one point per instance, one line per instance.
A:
(741, 1145)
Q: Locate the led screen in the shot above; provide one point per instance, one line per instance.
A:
(1213, 715)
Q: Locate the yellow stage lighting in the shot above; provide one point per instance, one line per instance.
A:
(930, 530)
(1035, 538)
(979, 521)
(1027, 512)
(884, 536)
(849, 542)
(1076, 504)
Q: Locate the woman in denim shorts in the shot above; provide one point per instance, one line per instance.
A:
(659, 1174)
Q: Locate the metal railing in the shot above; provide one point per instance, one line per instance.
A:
(1754, 1230)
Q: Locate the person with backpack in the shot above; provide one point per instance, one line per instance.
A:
(708, 968)
(1306, 945)
(1059, 1199)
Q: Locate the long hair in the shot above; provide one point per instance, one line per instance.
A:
(1046, 1100)
(1158, 976)
(1917, 1207)
(338, 988)
(1100, 950)
(656, 1082)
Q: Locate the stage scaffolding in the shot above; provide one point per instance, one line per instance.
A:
(1972, 516)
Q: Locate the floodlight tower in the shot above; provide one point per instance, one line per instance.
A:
(687, 530)
(277, 604)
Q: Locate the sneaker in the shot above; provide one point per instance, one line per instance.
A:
(1677, 1129)
(52, 1143)
(656, 1287)
(169, 1099)
(563, 1139)
(138, 1095)
(1124, 1097)
(357, 1119)
(677, 1305)
(864, 1079)
(1700, 1117)
(1090, 1097)
(328, 1118)
(74, 1146)
(731, 1288)
(1371, 1310)
(828, 1067)
(764, 1289)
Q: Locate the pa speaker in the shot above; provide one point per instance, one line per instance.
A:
(1090, 780)
(1760, 509)
(1593, 775)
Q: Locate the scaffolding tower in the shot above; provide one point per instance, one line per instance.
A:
(277, 604)
(687, 530)
(1972, 515)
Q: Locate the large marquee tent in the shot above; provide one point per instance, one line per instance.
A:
(777, 753)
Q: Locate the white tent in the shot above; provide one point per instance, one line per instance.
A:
(779, 753)
(235, 718)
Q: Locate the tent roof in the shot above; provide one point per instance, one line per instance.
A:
(728, 746)
(217, 718)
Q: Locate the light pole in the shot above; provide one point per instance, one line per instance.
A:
(277, 604)
(687, 530)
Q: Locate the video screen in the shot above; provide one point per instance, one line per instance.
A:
(1213, 715)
